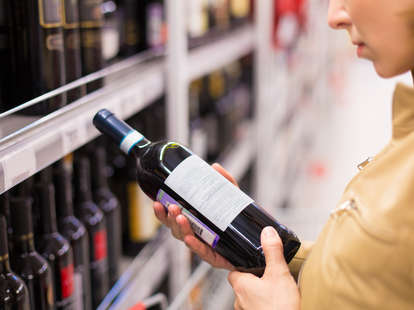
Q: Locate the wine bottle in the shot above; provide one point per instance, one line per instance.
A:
(155, 27)
(55, 248)
(14, 294)
(4, 50)
(5, 211)
(91, 23)
(198, 21)
(132, 27)
(239, 11)
(109, 204)
(38, 63)
(75, 232)
(73, 59)
(94, 220)
(26, 261)
(110, 30)
(219, 17)
(221, 214)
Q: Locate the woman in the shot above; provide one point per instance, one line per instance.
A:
(364, 257)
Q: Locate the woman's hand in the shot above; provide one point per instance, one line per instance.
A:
(180, 228)
(276, 289)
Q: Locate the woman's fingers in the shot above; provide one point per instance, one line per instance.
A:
(224, 173)
(207, 253)
(160, 212)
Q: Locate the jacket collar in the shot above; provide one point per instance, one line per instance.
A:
(402, 112)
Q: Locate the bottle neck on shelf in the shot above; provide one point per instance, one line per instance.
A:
(47, 208)
(98, 169)
(21, 218)
(82, 179)
(4, 251)
(64, 202)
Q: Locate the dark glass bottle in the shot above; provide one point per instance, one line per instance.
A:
(26, 261)
(4, 55)
(13, 291)
(91, 23)
(5, 211)
(133, 32)
(75, 232)
(109, 204)
(55, 248)
(198, 21)
(170, 173)
(73, 58)
(37, 53)
(239, 11)
(94, 220)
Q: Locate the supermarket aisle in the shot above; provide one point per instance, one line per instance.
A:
(359, 126)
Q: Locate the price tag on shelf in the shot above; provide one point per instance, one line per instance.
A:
(74, 135)
(18, 165)
(48, 148)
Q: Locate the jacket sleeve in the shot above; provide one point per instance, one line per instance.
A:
(297, 261)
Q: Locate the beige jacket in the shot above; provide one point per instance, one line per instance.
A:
(364, 257)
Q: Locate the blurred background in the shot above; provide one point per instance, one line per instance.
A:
(263, 87)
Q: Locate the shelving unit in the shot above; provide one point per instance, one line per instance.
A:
(133, 84)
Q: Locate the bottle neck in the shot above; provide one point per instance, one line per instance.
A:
(23, 244)
(140, 148)
(64, 203)
(47, 209)
(82, 180)
(4, 264)
(98, 170)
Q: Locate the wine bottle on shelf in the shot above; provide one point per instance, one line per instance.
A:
(14, 294)
(198, 21)
(94, 220)
(75, 232)
(219, 17)
(5, 211)
(220, 213)
(26, 261)
(56, 249)
(91, 23)
(73, 58)
(133, 32)
(37, 51)
(239, 11)
(4, 55)
(109, 204)
(110, 30)
(156, 25)
(198, 135)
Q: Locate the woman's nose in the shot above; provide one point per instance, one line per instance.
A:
(338, 17)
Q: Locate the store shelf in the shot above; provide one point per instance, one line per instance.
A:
(48, 139)
(142, 276)
(230, 47)
(239, 156)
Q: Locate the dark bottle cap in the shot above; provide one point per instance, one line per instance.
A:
(63, 191)
(98, 169)
(82, 179)
(47, 207)
(107, 123)
(4, 247)
(21, 215)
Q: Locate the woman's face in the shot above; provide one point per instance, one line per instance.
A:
(380, 29)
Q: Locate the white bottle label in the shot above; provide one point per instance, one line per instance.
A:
(208, 191)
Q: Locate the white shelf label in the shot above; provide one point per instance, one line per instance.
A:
(208, 191)
(131, 101)
(73, 136)
(18, 166)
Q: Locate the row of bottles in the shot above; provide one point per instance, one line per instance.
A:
(64, 243)
(219, 103)
(45, 44)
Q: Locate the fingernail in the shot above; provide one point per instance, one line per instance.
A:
(269, 231)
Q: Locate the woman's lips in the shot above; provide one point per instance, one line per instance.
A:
(360, 49)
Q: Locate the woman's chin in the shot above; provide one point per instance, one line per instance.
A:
(387, 72)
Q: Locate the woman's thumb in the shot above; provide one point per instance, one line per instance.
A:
(273, 250)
